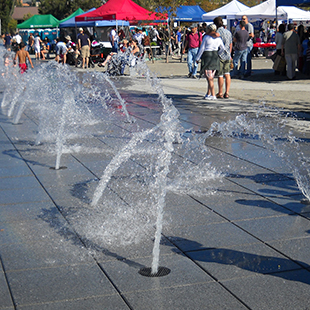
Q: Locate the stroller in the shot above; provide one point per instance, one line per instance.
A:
(119, 61)
(98, 54)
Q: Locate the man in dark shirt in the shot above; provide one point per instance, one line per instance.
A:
(84, 46)
(7, 41)
(240, 47)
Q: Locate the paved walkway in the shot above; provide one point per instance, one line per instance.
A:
(240, 241)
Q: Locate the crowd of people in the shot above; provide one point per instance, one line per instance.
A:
(229, 54)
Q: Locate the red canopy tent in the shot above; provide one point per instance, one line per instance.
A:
(121, 10)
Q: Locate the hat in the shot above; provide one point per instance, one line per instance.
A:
(211, 27)
(193, 26)
(81, 29)
(68, 38)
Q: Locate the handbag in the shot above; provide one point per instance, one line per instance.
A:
(279, 63)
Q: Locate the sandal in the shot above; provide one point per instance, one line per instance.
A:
(226, 96)
(219, 96)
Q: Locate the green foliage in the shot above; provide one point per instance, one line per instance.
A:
(168, 6)
(12, 25)
(27, 16)
(63, 8)
(6, 11)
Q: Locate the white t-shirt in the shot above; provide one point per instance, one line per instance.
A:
(210, 44)
(18, 38)
(37, 41)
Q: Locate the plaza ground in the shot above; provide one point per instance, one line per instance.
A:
(246, 246)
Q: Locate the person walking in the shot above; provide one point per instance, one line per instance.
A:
(84, 46)
(113, 37)
(178, 42)
(37, 46)
(22, 55)
(225, 58)
(279, 41)
(192, 42)
(291, 45)
(250, 29)
(7, 41)
(210, 46)
(240, 38)
(30, 43)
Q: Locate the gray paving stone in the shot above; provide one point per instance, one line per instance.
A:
(183, 272)
(5, 297)
(19, 182)
(40, 254)
(284, 290)
(94, 303)
(242, 261)
(211, 296)
(238, 206)
(50, 226)
(19, 195)
(207, 236)
(277, 228)
(246, 234)
(295, 248)
(44, 285)
(26, 211)
(13, 171)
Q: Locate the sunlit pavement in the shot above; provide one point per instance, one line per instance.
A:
(245, 245)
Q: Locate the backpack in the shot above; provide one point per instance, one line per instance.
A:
(152, 33)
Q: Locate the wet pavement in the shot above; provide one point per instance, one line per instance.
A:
(243, 246)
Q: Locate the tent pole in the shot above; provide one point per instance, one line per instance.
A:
(276, 15)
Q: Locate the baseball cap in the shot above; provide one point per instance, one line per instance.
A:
(212, 27)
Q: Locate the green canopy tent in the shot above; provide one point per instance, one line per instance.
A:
(79, 11)
(39, 21)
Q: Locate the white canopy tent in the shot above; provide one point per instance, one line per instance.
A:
(264, 10)
(227, 11)
(295, 14)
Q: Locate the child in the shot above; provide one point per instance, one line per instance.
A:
(22, 55)
(76, 54)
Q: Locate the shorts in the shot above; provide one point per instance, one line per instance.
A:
(224, 67)
(85, 51)
(23, 68)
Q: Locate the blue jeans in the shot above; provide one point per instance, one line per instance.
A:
(191, 60)
(242, 56)
(114, 47)
(249, 61)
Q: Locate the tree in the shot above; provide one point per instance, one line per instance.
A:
(63, 8)
(6, 11)
(251, 3)
(27, 16)
(168, 7)
(12, 24)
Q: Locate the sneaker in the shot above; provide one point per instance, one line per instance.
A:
(207, 96)
(189, 75)
(194, 76)
(210, 97)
